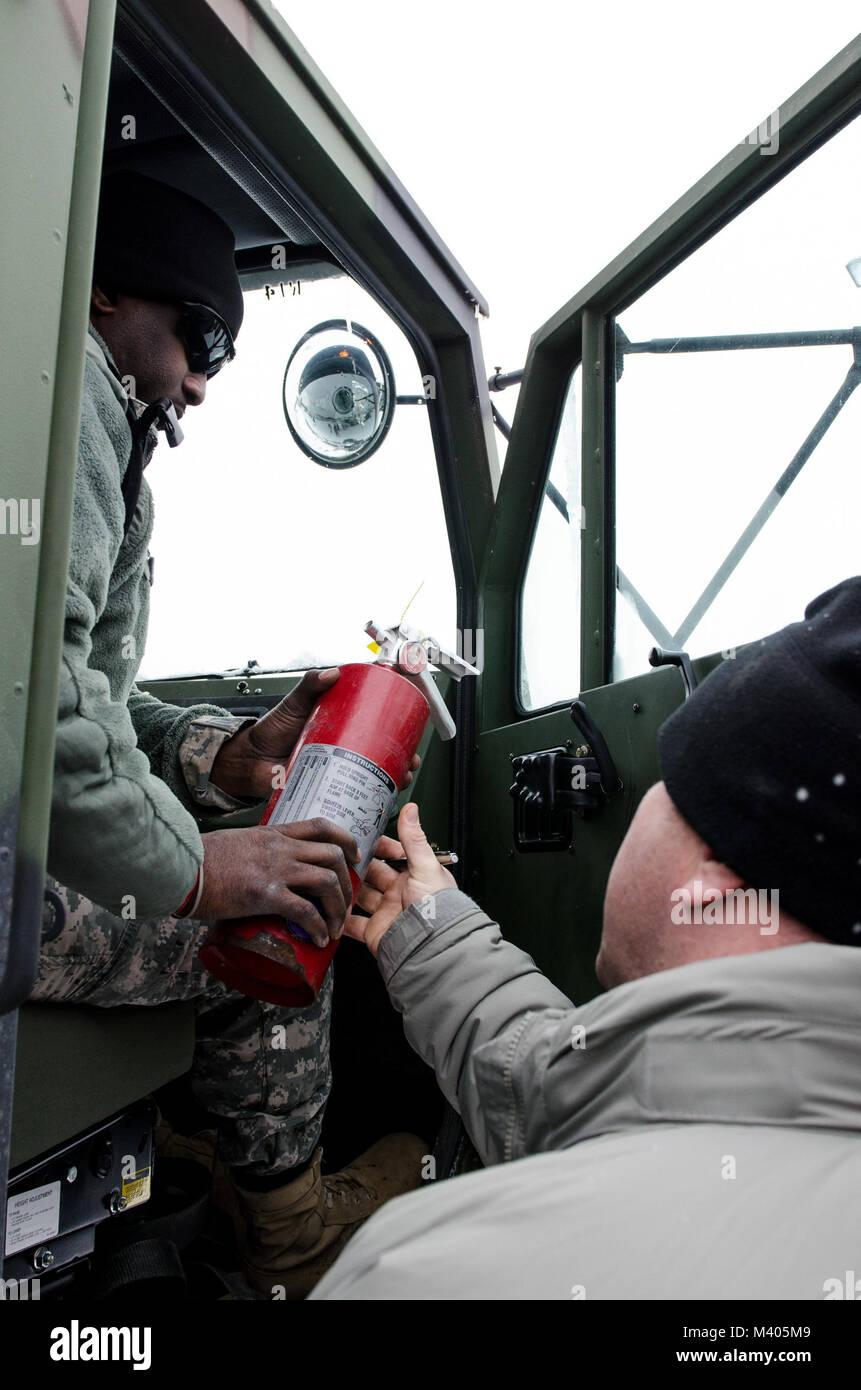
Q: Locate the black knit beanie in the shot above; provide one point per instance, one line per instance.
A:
(157, 243)
(764, 763)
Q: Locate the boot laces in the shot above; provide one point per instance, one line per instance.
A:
(344, 1187)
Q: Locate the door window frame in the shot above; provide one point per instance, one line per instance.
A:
(582, 331)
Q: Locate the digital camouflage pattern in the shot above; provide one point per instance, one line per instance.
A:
(261, 1070)
(202, 743)
(131, 776)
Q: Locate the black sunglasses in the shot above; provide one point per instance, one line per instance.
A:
(206, 338)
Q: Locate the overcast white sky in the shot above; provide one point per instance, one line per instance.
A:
(539, 140)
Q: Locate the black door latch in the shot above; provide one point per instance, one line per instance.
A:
(552, 786)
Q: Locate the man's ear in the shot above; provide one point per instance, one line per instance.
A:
(709, 883)
(718, 875)
(101, 303)
(708, 879)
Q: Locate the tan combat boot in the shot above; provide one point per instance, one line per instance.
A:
(294, 1233)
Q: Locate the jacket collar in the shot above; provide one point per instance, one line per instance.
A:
(772, 1038)
(98, 349)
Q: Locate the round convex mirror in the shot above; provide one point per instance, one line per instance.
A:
(339, 394)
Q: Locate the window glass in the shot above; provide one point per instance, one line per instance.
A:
(724, 530)
(262, 554)
(550, 604)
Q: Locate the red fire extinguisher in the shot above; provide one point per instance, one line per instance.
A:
(349, 764)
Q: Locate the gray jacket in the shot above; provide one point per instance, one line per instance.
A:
(693, 1134)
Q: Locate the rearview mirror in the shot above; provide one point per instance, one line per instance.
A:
(338, 394)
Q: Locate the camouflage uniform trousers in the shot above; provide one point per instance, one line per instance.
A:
(262, 1071)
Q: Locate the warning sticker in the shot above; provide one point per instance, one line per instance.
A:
(342, 786)
(32, 1217)
(137, 1189)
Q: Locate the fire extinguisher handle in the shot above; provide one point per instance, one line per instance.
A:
(440, 717)
(390, 645)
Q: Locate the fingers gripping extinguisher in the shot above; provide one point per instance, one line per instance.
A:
(349, 764)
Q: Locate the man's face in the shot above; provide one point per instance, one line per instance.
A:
(659, 852)
(141, 335)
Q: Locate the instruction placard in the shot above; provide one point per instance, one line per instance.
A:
(32, 1217)
(342, 786)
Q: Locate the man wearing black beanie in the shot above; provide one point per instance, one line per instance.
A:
(694, 1132)
(134, 884)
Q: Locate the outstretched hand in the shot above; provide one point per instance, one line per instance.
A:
(386, 893)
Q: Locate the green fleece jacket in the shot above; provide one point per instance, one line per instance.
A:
(121, 825)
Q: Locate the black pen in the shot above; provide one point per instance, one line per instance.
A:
(442, 856)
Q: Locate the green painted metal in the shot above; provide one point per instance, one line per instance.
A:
(53, 93)
(598, 551)
(76, 235)
(518, 503)
(302, 137)
(269, 39)
(824, 104)
(78, 1065)
(551, 904)
(217, 689)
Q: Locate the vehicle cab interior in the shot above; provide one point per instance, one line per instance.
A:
(664, 494)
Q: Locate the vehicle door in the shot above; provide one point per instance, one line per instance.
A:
(223, 98)
(681, 478)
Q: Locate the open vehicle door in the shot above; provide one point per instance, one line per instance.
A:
(225, 103)
(682, 478)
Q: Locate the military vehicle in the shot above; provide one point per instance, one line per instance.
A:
(679, 479)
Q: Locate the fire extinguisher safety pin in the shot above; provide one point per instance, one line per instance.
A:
(410, 652)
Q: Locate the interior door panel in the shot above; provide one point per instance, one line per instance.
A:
(550, 904)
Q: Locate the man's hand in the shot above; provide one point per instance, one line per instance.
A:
(387, 893)
(249, 764)
(250, 873)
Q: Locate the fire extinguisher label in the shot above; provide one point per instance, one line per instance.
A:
(342, 786)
